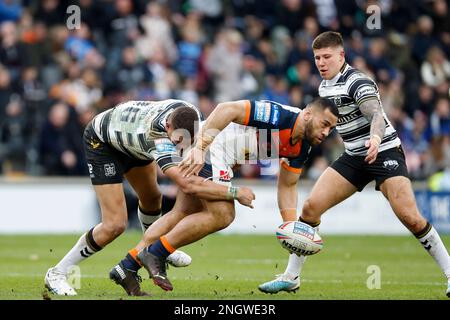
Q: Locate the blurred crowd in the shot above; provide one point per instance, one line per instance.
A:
(54, 78)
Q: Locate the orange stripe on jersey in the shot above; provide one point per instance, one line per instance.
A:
(247, 112)
(288, 168)
(285, 148)
(295, 123)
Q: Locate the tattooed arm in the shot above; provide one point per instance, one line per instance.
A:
(371, 109)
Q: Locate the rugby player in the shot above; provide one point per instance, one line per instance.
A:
(128, 141)
(373, 151)
(253, 130)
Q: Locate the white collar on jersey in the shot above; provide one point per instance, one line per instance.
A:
(332, 81)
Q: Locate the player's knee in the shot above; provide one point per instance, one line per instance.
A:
(114, 229)
(415, 223)
(223, 218)
(151, 201)
(310, 211)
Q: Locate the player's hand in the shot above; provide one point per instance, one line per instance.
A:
(192, 163)
(245, 196)
(373, 143)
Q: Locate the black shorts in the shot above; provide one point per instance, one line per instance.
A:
(389, 163)
(106, 165)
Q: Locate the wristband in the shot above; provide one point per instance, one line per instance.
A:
(204, 141)
(232, 192)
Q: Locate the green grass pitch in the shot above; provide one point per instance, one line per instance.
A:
(229, 267)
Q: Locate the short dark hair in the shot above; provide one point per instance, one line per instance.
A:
(328, 39)
(185, 118)
(324, 104)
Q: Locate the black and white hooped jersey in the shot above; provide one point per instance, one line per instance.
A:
(137, 129)
(348, 89)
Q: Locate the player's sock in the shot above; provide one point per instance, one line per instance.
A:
(130, 262)
(161, 248)
(295, 264)
(83, 249)
(315, 225)
(146, 218)
(431, 241)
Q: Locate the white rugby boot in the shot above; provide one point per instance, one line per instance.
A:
(179, 259)
(56, 283)
(282, 282)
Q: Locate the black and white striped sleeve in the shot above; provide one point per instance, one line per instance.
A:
(165, 154)
(361, 88)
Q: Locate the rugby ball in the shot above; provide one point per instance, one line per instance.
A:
(299, 238)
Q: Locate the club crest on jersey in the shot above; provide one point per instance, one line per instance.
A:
(262, 111)
(337, 101)
(390, 164)
(110, 169)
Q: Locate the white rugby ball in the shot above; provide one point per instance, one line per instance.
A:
(299, 238)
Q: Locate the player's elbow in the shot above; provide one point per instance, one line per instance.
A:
(229, 110)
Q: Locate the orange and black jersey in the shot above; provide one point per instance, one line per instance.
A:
(275, 123)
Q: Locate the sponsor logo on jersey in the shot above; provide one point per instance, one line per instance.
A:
(305, 230)
(164, 145)
(110, 169)
(390, 164)
(275, 115)
(224, 176)
(365, 91)
(262, 111)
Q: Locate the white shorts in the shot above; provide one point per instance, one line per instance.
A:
(236, 144)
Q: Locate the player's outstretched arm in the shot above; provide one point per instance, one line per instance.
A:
(287, 194)
(371, 109)
(223, 115)
(209, 190)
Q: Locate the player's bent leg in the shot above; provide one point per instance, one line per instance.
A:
(184, 205)
(398, 191)
(114, 213)
(144, 182)
(114, 219)
(330, 189)
(218, 215)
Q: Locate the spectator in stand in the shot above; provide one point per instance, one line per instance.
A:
(12, 51)
(435, 70)
(13, 138)
(81, 48)
(440, 118)
(130, 73)
(224, 64)
(60, 143)
(189, 50)
(423, 39)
